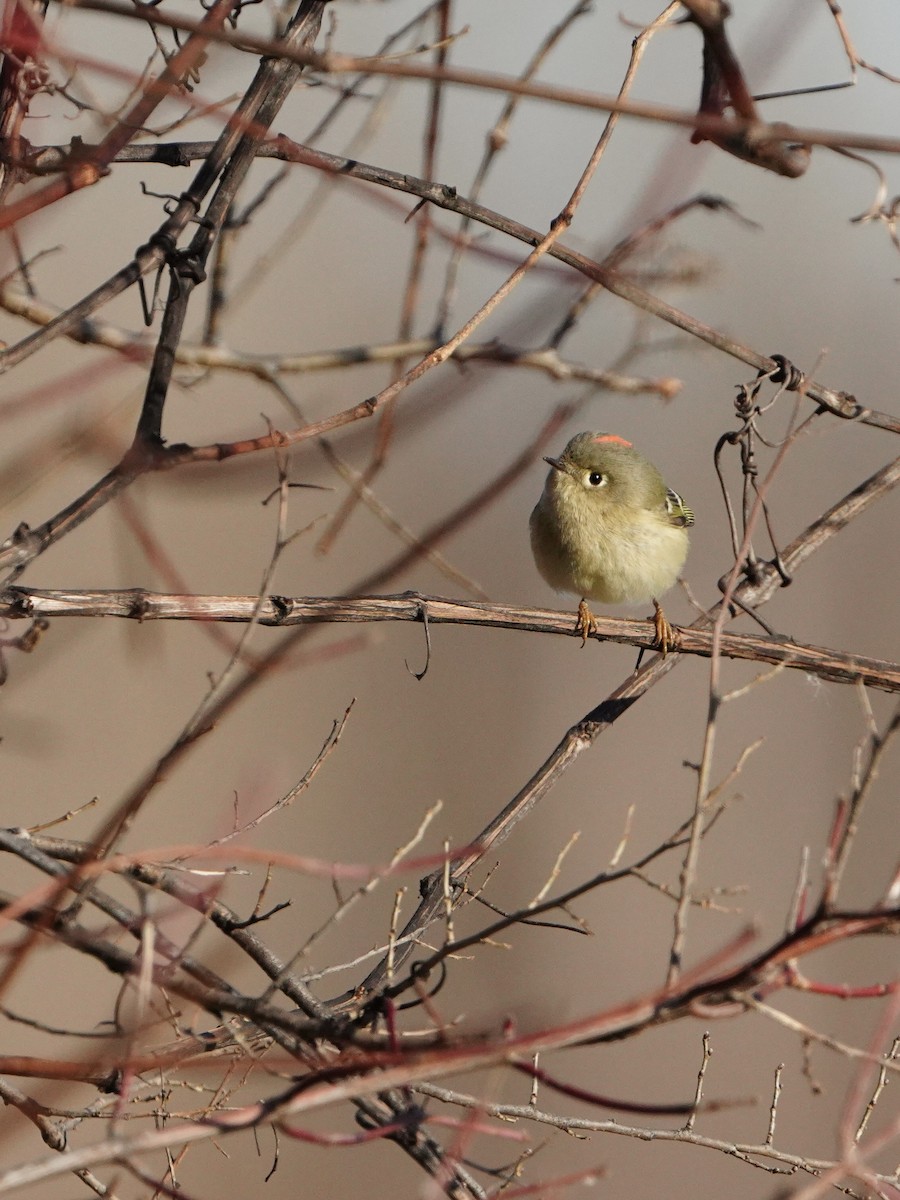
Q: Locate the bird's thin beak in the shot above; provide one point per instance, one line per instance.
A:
(555, 463)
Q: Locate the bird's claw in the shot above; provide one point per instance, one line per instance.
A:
(666, 635)
(586, 623)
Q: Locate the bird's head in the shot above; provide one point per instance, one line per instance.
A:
(603, 470)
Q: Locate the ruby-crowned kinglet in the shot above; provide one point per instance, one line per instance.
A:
(607, 528)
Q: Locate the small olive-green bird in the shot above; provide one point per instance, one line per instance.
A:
(608, 528)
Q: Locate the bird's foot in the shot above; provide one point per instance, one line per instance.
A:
(666, 636)
(586, 623)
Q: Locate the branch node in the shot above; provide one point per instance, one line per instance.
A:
(786, 373)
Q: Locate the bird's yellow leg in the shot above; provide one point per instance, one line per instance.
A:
(586, 624)
(666, 636)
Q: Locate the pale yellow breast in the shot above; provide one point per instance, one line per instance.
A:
(614, 558)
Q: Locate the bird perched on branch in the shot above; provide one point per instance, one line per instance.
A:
(608, 528)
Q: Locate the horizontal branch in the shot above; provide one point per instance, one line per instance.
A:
(282, 611)
(139, 347)
(748, 1152)
(330, 63)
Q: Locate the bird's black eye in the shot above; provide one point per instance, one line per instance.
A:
(595, 479)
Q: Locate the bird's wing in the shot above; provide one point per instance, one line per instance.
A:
(677, 510)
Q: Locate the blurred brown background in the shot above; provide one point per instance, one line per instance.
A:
(322, 266)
